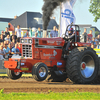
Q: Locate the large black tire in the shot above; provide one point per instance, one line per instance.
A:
(40, 71)
(75, 68)
(97, 81)
(55, 78)
(11, 74)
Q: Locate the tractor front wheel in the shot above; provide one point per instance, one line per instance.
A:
(82, 65)
(13, 75)
(40, 71)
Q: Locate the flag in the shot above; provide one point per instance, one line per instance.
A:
(67, 15)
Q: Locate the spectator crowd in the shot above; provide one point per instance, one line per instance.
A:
(88, 38)
(10, 44)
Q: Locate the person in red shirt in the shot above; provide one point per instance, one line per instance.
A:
(90, 35)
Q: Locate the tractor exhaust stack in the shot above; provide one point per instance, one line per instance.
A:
(44, 33)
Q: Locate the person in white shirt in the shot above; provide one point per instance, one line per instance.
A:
(7, 38)
(18, 31)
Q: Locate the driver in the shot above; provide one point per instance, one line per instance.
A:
(70, 37)
(71, 33)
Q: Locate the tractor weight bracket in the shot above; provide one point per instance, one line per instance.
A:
(18, 64)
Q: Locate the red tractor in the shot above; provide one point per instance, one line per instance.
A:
(58, 57)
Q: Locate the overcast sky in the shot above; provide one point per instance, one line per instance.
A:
(10, 8)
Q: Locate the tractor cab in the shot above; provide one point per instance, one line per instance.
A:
(72, 33)
(72, 40)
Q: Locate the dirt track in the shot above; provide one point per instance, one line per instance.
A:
(30, 85)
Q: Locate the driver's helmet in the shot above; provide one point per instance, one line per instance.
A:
(70, 31)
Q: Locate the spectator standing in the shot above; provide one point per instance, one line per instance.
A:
(13, 41)
(30, 31)
(2, 32)
(57, 31)
(13, 36)
(98, 37)
(26, 35)
(18, 31)
(93, 42)
(54, 33)
(36, 34)
(92, 46)
(2, 53)
(6, 32)
(39, 32)
(6, 49)
(19, 47)
(12, 45)
(84, 34)
(2, 43)
(89, 41)
(15, 50)
(7, 42)
(90, 35)
(1, 38)
(34, 30)
(9, 48)
(18, 40)
(7, 38)
(97, 42)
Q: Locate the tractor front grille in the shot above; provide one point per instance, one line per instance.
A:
(27, 50)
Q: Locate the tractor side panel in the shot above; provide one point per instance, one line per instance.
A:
(28, 64)
(54, 54)
(36, 53)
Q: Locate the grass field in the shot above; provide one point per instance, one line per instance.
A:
(50, 96)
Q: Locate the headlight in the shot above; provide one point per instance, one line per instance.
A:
(22, 64)
(30, 41)
(59, 63)
(76, 44)
(72, 44)
(22, 40)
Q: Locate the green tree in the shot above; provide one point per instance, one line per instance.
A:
(95, 9)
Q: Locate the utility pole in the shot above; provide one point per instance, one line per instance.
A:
(60, 20)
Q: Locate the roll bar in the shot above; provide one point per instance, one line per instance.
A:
(75, 27)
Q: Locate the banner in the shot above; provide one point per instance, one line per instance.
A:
(67, 15)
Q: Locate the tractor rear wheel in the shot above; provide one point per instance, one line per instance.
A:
(97, 81)
(13, 75)
(39, 71)
(55, 78)
(82, 65)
